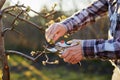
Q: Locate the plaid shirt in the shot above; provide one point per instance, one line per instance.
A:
(100, 48)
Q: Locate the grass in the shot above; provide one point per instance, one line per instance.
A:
(22, 69)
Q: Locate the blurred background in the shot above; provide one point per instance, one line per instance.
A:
(33, 39)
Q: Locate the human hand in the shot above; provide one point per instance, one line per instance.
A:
(55, 31)
(74, 53)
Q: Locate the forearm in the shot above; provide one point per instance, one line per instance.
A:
(88, 15)
(103, 49)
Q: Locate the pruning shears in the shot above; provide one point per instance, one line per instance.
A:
(60, 47)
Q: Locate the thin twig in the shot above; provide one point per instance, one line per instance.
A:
(34, 11)
(10, 29)
(29, 22)
(2, 3)
(20, 6)
(16, 19)
(4, 31)
(10, 52)
(10, 7)
(46, 16)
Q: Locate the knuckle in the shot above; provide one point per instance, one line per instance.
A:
(68, 49)
(65, 60)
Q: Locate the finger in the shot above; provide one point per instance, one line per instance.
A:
(65, 53)
(69, 42)
(65, 60)
(57, 36)
(77, 57)
(69, 57)
(68, 51)
(52, 33)
(76, 60)
(48, 33)
(73, 42)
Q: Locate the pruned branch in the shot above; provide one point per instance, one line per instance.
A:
(10, 52)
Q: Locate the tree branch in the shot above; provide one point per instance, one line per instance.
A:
(29, 22)
(20, 6)
(10, 52)
(16, 19)
(5, 67)
(2, 3)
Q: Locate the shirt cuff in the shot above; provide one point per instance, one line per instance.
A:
(65, 26)
(88, 48)
(68, 25)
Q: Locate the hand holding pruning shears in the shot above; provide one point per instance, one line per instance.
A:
(69, 51)
(72, 51)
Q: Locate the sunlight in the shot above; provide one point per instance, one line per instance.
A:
(37, 5)
(0, 74)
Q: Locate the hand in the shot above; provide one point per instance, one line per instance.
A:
(74, 53)
(55, 31)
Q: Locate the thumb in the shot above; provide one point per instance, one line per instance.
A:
(56, 37)
(73, 42)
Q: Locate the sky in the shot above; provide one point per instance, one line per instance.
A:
(67, 5)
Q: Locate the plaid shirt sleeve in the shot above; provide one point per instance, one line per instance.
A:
(93, 48)
(88, 15)
(103, 49)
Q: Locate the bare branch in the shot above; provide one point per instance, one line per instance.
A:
(10, 52)
(34, 11)
(10, 7)
(10, 29)
(29, 22)
(2, 3)
(5, 30)
(16, 19)
(53, 12)
(20, 6)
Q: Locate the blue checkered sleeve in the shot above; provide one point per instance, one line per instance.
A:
(105, 49)
(88, 15)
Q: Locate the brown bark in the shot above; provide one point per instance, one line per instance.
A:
(5, 67)
(3, 57)
(2, 3)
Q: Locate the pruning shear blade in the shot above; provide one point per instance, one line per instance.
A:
(59, 47)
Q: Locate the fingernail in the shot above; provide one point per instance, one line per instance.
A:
(60, 55)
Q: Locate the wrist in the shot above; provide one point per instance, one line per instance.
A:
(64, 26)
(88, 48)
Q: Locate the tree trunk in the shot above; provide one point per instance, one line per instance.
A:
(2, 3)
(3, 57)
(5, 67)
